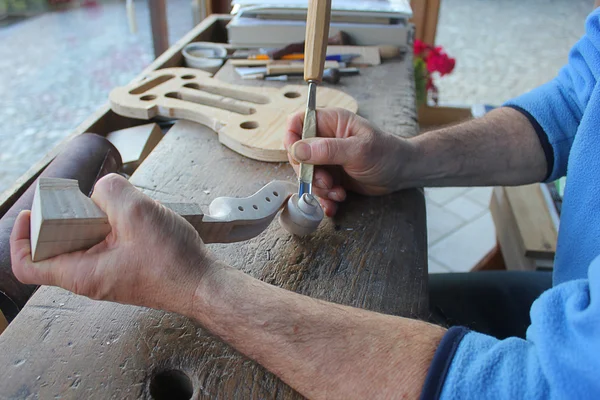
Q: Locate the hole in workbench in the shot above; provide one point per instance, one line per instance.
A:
(241, 208)
(148, 97)
(292, 95)
(188, 76)
(249, 125)
(255, 207)
(268, 199)
(275, 194)
(172, 384)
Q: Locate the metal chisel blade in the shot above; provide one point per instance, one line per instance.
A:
(309, 130)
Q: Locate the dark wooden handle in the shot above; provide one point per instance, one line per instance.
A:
(317, 32)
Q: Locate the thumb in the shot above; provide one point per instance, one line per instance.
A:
(324, 151)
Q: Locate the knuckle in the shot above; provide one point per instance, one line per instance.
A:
(363, 147)
(326, 149)
(138, 207)
(108, 183)
(20, 265)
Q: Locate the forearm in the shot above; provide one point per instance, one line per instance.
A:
(321, 349)
(500, 149)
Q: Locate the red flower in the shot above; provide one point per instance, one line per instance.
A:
(438, 61)
(420, 47)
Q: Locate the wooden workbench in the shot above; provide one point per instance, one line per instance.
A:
(373, 255)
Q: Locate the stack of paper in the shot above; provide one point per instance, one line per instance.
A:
(271, 23)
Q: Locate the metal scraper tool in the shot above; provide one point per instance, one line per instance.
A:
(315, 49)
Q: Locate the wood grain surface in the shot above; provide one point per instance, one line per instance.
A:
(372, 255)
(249, 121)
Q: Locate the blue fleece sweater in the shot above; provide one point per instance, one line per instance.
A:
(560, 357)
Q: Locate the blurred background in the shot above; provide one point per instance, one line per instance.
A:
(60, 59)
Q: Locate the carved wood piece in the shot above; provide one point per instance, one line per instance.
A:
(64, 220)
(250, 121)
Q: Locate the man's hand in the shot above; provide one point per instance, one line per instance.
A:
(353, 155)
(152, 257)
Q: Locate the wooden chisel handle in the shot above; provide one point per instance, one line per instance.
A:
(317, 33)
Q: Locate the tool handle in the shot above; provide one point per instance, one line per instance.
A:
(317, 33)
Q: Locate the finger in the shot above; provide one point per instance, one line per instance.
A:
(20, 253)
(109, 191)
(337, 193)
(55, 271)
(293, 131)
(331, 122)
(326, 151)
(295, 165)
(336, 122)
(20, 243)
(322, 179)
(329, 207)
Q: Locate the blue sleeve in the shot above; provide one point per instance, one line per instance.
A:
(558, 106)
(559, 359)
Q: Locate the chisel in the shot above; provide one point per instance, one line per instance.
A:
(315, 50)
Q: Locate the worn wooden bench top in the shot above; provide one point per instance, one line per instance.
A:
(373, 255)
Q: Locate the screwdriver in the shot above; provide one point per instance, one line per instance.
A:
(315, 49)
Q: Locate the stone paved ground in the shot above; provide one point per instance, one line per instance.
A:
(58, 68)
(506, 47)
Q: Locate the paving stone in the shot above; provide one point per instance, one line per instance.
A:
(62, 67)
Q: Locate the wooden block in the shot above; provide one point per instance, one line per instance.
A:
(3, 323)
(440, 116)
(249, 120)
(64, 220)
(135, 143)
(507, 231)
(535, 226)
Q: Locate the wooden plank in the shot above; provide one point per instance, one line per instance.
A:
(439, 116)
(419, 9)
(534, 223)
(425, 18)
(3, 323)
(508, 234)
(431, 21)
(104, 120)
(158, 24)
(372, 255)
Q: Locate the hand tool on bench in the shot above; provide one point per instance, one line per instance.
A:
(317, 30)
